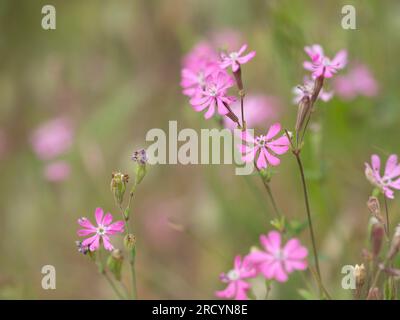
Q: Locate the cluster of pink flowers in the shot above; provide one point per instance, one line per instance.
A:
(99, 234)
(51, 140)
(274, 261)
(389, 180)
(205, 80)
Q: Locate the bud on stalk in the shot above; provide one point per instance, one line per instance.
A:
(303, 112)
(377, 234)
(118, 186)
(114, 263)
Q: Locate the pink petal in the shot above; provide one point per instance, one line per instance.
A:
(84, 222)
(99, 215)
(273, 131)
(106, 242)
(272, 160)
(340, 60)
(271, 242)
(85, 232)
(211, 110)
(237, 262)
(228, 293)
(222, 110)
(390, 164)
(247, 57)
(241, 290)
(116, 227)
(95, 244)
(242, 49)
(87, 242)
(261, 162)
(376, 163)
(294, 250)
(292, 265)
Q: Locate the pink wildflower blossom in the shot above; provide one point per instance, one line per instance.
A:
(359, 81)
(275, 261)
(321, 65)
(57, 171)
(265, 147)
(237, 288)
(391, 178)
(214, 94)
(307, 89)
(52, 139)
(226, 39)
(102, 232)
(234, 59)
(258, 109)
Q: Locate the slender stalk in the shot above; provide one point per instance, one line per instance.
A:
(271, 198)
(103, 271)
(387, 216)
(242, 109)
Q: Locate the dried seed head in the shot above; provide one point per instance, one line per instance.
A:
(129, 241)
(118, 185)
(360, 274)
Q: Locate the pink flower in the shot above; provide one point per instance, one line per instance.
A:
(275, 261)
(265, 147)
(321, 65)
(237, 288)
(234, 59)
(57, 171)
(226, 39)
(257, 109)
(214, 94)
(52, 138)
(391, 177)
(307, 89)
(359, 81)
(100, 233)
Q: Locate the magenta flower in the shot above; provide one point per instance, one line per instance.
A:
(214, 95)
(321, 65)
(359, 81)
(100, 233)
(52, 138)
(57, 171)
(391, 178)
(237, 288)
(266, 148)
(307, 89)
(258, 109)
(234, 59)
(275, 261)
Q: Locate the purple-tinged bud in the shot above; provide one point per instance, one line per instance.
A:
(395, 245)
(303, 111)
(140, 157)
(82, 249)
(377, 234)
(374, 294)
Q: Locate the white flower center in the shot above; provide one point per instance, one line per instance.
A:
(101, 230)
(279, 255)
(212, 90)
(234, 55)
(260, 141)
(326, 62)
(233, 275)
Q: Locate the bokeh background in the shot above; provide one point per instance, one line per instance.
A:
(111, 72)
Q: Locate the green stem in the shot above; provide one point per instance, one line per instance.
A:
(105, 274)
(387, 216)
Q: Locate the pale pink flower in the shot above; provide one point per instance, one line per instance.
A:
(57, 171)
(359, 81)
(214, 95)
(307, 89)
(391, 178)
(258, 109)
(226, 39)
(237, 288)
(265, 147)
(276, 261)
(200, 56)
(101, 232)
(52, 138)
(235, 58)
(321, 65)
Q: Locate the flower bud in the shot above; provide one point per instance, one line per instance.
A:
(302, 113)
(374, 294)
(129, 241)
(360, 274)
(375, 208)
(377, 234)
(395, 245)
(114, 263)
(82, 249)
(118, 186)
(140, 157)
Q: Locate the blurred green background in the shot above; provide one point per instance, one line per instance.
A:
(113, 67)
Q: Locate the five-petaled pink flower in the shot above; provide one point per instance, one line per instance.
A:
(391, 178)
(275, 261)
(321, 65)
(214, 94)
(234, 59)
(237, 288)
(100, 233)
(265, 147)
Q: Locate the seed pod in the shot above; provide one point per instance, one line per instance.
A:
(303, 111)
(360, 274)
(395, 245)
(377, 234)
(118, 186)
(114, 263)
(129, 241)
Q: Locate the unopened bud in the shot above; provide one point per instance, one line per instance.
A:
(395, 245)
(114, 263)
(375, 208)
(377, 234)
(360, 274)
(374, 294)
(118, 185)
(303, 111)
(129, 241)
(140, 157)
(319, 82)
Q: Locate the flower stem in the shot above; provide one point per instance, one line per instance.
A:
(103, 271)
(271, 198)
(387, 216)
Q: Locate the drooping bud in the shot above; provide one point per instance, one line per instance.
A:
(114, 263)
(395, 245)
(129, 241)
(140, 157)
(82, 249)
(374, 294)
(319, 82)
(377, 234)
(303, 111)
(118, 186)
(360, 274)
(238, 78)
